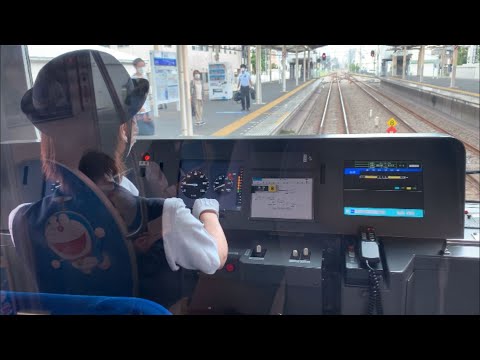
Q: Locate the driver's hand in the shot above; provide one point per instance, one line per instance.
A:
(201, 205)
(142, 243)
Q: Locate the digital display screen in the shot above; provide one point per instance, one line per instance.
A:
(220, 180)
(282, 198)
(383, 188)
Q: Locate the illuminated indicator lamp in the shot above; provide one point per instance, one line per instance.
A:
(230, 267)
(146, 157)
(466, 212)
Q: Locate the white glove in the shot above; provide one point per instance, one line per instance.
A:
(200, 205)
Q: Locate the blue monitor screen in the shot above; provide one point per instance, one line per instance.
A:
(383, 188)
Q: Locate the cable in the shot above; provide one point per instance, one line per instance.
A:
(374, 299)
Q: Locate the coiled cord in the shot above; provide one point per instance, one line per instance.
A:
(374, 299)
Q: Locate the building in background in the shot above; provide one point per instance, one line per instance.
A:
(199, 56)
(41, 54)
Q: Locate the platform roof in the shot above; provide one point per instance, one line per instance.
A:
(47, 52)
(410, 47)
(293, 48)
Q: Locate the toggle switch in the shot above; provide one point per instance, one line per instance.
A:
(258, 252)
(306, 254)
(294, 255)
(351, 251)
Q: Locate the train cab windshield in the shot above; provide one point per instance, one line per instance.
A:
(239, 179)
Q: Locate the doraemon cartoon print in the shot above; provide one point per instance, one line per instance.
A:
(71, 238)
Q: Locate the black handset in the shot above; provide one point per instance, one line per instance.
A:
(368, 251)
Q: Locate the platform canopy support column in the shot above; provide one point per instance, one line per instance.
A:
(296, 67)
(454, 66)
(188, 98)
(308, 65)
(258, 69)
(284, 58)
(270, 63)
(181, 90)
(421, 61)
(304, 66)
(394, 65)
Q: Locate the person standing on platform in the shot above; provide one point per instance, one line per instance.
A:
(196, 93)
(244, 85)
(144, 119)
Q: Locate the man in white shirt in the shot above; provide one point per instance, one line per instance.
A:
(144, 119)
(244, 85)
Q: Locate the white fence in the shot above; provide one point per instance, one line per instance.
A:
(468, 71)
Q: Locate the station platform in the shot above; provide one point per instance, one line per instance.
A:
(468, 85)
(466, 90)
(226, 118)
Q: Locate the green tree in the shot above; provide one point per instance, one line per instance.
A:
(254, 61)
(462, 55)
(354, 68)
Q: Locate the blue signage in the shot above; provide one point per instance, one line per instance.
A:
(165, 62)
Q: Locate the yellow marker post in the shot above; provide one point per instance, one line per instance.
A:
(392, 122)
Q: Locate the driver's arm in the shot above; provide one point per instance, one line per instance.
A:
(188, 242)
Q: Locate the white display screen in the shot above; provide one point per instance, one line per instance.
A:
(282, 198)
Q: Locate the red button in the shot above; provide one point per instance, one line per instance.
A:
(230, 267)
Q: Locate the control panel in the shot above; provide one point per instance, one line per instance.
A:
(292, 209)
(328, 185)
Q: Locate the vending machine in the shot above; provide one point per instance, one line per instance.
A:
(220, 81)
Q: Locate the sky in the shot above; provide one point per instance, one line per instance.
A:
(341, 52)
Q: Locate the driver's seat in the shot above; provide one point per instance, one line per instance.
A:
(73, 241)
